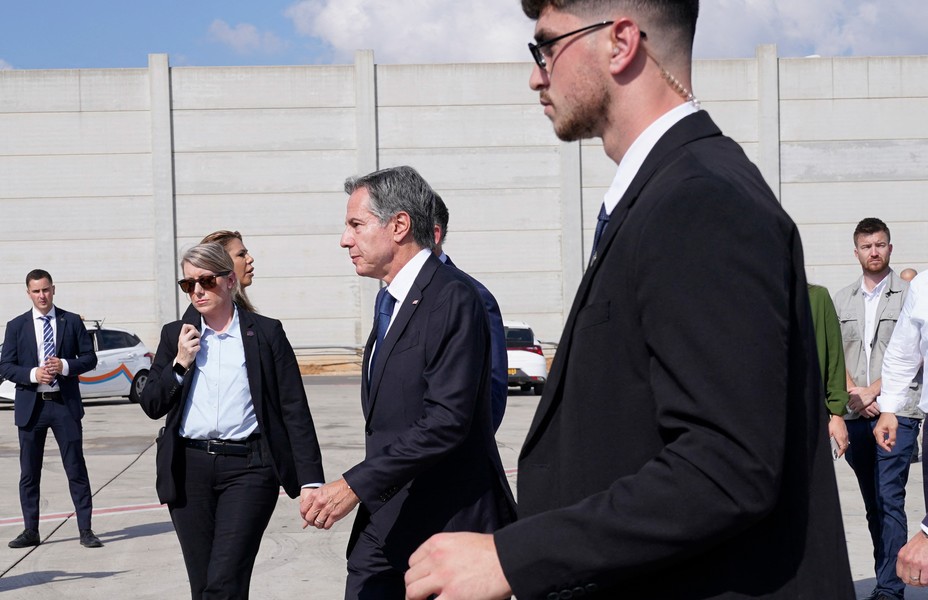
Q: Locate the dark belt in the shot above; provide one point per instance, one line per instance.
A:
(223, 447)
(53, 396)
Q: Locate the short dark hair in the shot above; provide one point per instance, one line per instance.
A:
(396, 190)
(869, 226)
(37, 274)
(441, 217)
(671, 14)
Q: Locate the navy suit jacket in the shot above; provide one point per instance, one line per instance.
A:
(431, 461)
(680, 449)
(499, 360)
(20, 356)
(284, 420)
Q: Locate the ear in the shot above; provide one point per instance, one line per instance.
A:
(625, 45)
(402, 225)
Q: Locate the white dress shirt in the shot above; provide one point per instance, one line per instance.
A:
(907, 349)
(402, 283)
(219, 405)
(871, 303)
(40, 347)
(639, 150)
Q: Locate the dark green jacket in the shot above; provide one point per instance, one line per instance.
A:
(830, 349)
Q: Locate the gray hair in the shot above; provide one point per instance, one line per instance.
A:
(213, 257)
(396, 190)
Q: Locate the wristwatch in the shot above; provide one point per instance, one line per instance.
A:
(180, 370)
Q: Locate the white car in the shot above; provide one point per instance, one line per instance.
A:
(528, 367)
(123, 363)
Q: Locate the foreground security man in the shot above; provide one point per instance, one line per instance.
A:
(680, 448)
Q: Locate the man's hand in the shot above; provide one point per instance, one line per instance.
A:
(861, 397)
(53, 366)
(43, 376)
(838, 430)
(325, 506)
(912, 563)
(885, 432)
(457, 566)
(188, 344)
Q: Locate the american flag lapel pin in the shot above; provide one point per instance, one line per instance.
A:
(249, 333)
(416, 301)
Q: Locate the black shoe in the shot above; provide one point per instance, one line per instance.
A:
(29, 537)
(89, 540)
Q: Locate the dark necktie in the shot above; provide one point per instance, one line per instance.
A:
(48, 342)
(601, 221)
(384, 303)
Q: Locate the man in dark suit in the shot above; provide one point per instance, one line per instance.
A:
(431, 461)
(44, 350)
(499, 361)
(679, 449)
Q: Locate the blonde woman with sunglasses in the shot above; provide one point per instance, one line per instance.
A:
(238, 425)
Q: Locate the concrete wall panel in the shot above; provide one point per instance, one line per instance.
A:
(81, 175)
(859, 161)
(262, 87)
(264, 129)
(66, 133)
(261, 172)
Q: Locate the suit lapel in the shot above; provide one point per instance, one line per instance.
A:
(688, 129)
(407, 310)
(62, 328)
(252, 349)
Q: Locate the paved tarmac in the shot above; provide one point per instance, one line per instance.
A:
(141, 558)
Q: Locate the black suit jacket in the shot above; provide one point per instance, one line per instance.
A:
(680, 449)
(284, 420)
(499, 360)
(20, 356)
(431, 460)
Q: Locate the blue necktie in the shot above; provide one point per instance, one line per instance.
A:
(48, 342)
(601, 221)
(385, 303)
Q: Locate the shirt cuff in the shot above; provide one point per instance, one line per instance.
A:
(890, 403)
(64, 368)
(310, 485)
(32, 376)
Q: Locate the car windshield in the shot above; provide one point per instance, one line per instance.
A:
(519, 338)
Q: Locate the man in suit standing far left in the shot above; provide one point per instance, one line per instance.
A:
(44, 351)
(431, 462)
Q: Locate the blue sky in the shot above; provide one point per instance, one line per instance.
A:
(61, 34)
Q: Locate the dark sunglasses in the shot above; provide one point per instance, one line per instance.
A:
(207, 282)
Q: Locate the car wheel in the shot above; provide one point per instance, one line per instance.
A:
(525, 387)
(138, 384)
(538, 388)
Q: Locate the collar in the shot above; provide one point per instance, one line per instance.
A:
(403, 281)
(443, 257)
(877, 289)
(36, 315)
(233, 330)
(639, 150)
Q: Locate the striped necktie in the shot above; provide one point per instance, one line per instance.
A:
(48, 342)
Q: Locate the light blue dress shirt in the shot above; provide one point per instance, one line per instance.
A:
(219, 405)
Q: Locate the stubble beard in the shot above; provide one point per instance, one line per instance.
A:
(581, 113)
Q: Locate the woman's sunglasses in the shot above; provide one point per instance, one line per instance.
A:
(207, 282)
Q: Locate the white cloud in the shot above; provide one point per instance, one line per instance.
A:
(428, 31)
(245, 38)
(5, 66)
(418, 31)
(733, 28)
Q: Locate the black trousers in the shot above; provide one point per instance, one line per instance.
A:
(225, 508)
(69, 434)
